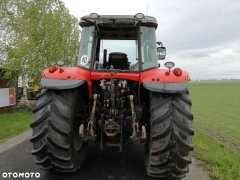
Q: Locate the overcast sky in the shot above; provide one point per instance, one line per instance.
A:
(202, 37)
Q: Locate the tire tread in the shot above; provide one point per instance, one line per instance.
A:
(174, 165)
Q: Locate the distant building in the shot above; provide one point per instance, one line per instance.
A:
(3, 82)
(7, 91)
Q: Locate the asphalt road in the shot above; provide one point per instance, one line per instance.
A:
(106, 165)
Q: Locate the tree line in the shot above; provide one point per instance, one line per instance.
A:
(35, 34)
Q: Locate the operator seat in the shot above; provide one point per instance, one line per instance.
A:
(119, 60)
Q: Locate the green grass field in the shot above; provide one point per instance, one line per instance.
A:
(216, 109)
(14, 123)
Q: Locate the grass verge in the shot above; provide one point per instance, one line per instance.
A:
(216, 123)
(221, 162)
(13, 123)
(216, 107)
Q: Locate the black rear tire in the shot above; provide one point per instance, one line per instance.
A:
(56, 142)
(169, 145)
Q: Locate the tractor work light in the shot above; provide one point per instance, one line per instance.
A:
(139, 16)
(169, 64)
(177, 72)
(94, 15)
(60, 62)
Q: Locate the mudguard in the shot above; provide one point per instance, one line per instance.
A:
(60, 84)
(166, 87)
(65, 78)
(164, 81)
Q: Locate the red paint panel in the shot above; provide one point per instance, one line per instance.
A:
(12, 96)
(90, 88)
(107, 75)
(70, 73)
(162, 75)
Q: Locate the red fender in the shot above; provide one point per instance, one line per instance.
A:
(164, 81)
(162, 75)
(68, 73)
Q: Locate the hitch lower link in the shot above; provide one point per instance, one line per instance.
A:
(136, 133)
(88, 133)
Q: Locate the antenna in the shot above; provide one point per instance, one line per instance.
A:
(147, 8)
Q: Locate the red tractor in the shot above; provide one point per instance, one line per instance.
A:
(117, 94)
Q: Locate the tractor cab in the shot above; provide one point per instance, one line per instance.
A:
(125, 43)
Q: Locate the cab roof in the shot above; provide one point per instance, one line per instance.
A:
(118, 19)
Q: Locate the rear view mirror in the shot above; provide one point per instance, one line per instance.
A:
(161, 52)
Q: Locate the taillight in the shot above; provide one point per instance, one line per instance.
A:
(52, 69)
(177, 72)
(61, 70)
(167, 73)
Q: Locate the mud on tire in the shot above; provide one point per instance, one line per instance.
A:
(167, 152)
(56, 143)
